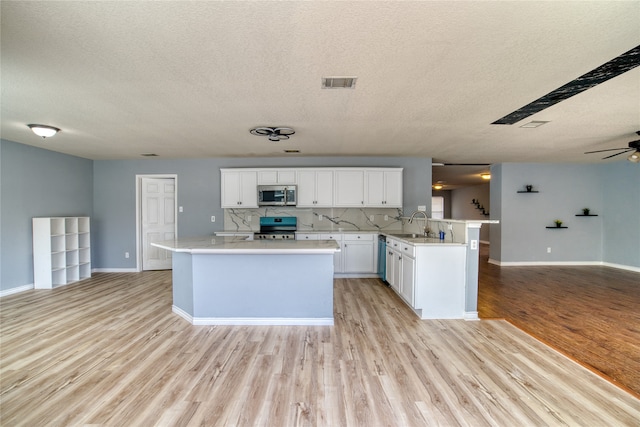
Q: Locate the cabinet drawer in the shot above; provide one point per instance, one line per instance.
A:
(359, 237)
(393, 244)
(333, 236)
(307, 236)
(408, 249)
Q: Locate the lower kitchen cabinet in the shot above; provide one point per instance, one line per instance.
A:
(359, 253)
(429, 278)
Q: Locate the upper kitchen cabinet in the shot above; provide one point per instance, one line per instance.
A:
(315, 187)
(276, 176)
(349, 188)
(239, 188)
(383, 188)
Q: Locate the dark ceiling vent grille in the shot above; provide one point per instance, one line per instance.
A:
(606, 71)
(339, 82)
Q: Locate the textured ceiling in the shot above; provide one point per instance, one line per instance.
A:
(190, 79)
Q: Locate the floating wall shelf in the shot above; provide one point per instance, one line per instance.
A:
(556, 227)
(586, 215)
(528, 191)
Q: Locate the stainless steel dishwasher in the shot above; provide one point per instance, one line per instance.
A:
(382, 257)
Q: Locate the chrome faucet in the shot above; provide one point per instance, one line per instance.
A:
(426, 218)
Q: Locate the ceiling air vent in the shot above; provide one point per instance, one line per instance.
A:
(339, 82)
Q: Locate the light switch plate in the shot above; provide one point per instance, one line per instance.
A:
(422, 207)
(213, 218)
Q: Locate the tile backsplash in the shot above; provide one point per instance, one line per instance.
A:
(318, 219)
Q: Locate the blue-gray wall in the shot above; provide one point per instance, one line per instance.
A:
(36, 182)
(610, 190)
(114, 220)
(621, 213)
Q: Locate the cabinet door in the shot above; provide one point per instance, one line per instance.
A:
(306, 188)
(390, 269)
(287, 176)
(393, 189)
(324, 188)
(249, 190)
(349, 188)
(358, 257)
(230, 189)
(397, 270)
(268, 177)
(407, 281)
(374, 188)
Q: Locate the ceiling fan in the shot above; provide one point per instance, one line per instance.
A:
(274, 134)
(634, 148)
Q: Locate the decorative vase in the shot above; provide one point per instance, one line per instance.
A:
(529, 188)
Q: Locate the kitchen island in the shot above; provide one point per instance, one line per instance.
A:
(232, 281)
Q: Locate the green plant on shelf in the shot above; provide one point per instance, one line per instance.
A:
(585, 211)
(558, 222)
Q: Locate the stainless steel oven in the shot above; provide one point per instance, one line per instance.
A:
(276, 195)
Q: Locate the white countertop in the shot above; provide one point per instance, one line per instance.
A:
(240, 246)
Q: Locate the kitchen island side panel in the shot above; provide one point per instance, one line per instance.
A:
(182, 276)
(263, 286)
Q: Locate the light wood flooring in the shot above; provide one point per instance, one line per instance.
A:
(589, 313)
(109, 351)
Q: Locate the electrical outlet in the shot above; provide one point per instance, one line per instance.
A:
(474, 245)
(422, 207)
(319, 217)
(126, 254)
(386, 217)
(248, 218)
(213, 218)
(180, 209)
(450, 226)
(549, 250)
(371, 218)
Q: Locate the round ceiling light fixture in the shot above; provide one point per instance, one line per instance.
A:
(485, 175)
(437, 186)
(274, 134)
(43, 130)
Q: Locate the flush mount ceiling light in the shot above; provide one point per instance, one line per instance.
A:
(485, 175)
(274, 134)
(634, 157)
(43, 130)
(339, 82)
(437, 186)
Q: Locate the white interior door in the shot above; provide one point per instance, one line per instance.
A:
(158, 214)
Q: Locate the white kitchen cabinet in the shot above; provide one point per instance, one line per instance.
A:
(383, 188)
(400, 266)
(315, 188)
(360, 252)
(61, 251)
(337, 257)
(349, 188)
(238, 188)
(390, 268)
(276, 176)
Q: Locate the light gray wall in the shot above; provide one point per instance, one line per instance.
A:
(495, 230)
(199, 194)
(564, 189)
(462, 208)
(36, 183)
(621, 213)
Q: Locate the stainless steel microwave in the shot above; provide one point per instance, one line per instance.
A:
(277, 195)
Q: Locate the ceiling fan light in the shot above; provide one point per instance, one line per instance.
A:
(485, 175)
(634, 157)
(43, 130)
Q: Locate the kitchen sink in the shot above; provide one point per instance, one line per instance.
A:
(408, 236)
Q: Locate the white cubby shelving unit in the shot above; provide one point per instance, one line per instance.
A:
(61, 251)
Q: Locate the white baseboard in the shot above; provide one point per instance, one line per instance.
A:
(114, 270)
(563, 263)
(255, 321)
(485, 242)
(471, 315)
(16, 290)
(355, 275)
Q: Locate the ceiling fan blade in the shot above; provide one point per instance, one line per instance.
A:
(617, 154)
(610, 149)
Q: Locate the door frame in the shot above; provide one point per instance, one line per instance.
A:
(139, 212)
